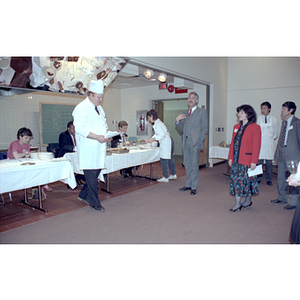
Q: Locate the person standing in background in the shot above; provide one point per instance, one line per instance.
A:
(269, 133)
(243, 155)
(91, 127)
(294, 180)
(288, 148)
(194, 126)
(166, 144)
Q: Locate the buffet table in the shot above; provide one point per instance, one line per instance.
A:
(218, 153)
(18, 174)
(118, 161)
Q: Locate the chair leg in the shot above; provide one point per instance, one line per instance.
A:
(3, 200)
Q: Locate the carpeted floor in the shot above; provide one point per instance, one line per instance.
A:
(160, 214)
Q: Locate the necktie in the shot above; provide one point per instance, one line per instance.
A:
(123, 138)
(190, 112)
(283, 132)
(97, 110)
(266, 121)
(74, 140)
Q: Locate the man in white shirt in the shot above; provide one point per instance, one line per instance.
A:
(269, 133)
(288, 148)
(91, 127)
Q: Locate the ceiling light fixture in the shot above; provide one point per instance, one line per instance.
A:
(162, 77)
(148, 73)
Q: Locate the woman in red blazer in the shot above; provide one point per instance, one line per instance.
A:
(243, 154)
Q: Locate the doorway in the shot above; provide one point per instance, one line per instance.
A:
(169, 109)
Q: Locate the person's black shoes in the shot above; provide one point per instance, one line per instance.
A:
(236, 209)
(98, 208)
(244, 206)
(269, 183)
(288, 207)
(81, 199)
(193, 192)
(184, 189)
(277, 201)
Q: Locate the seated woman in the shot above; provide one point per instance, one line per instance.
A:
(20, 148)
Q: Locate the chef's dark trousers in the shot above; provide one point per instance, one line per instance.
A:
(89, 191)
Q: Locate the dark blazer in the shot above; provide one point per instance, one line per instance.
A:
(115, 140)
(250, 144)
(199, 126)
(292, 149)
(65, 143)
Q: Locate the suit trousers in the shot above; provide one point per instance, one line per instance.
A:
(286, 193)
(191, 163)
(89, 191)
(269, 168)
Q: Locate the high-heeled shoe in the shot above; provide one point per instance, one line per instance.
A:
(234, 210)
(247, 205)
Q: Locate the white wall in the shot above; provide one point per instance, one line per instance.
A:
(23, 111)
(256, 79)
(211, 70)
(134, 99)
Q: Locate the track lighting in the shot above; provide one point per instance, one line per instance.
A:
(148, 74)
(162, 77)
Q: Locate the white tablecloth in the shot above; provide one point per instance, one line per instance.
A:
(117, 162)
(218, 152)
(14, 176)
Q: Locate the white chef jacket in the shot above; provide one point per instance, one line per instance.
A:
(269, 132)
(91, 153)
(163, 136)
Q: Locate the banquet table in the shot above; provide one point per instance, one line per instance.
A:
(18, 174)
(118, 161)
(218, 152)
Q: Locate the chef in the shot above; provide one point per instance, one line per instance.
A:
(90, 123)
(269, 133)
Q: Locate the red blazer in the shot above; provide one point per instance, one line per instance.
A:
(250, 145)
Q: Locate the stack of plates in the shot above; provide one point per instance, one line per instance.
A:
(34, 155)
(45, 155)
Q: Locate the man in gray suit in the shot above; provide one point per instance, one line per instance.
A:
(193, 125)
(288, 148)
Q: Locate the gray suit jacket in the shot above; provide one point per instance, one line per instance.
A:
(292, 150)
(199, 126)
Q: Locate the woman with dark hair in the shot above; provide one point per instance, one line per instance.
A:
(166, 146)
(243, 154)
(19, 148)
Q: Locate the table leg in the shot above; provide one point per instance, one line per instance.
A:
(151, 174)
(40, 207)
(106, 178)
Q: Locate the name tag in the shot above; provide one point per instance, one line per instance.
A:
(291, 127)
(235, 130)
